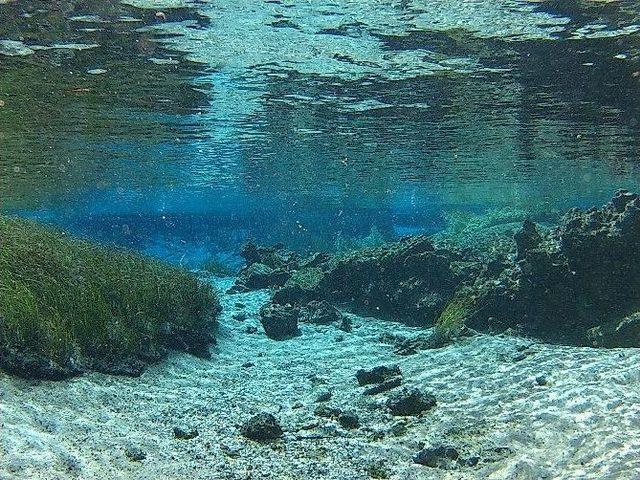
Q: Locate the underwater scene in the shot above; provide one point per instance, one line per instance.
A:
(319, 239)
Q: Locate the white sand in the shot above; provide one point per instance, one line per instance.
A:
(584, 424)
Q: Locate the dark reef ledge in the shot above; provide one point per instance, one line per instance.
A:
(577, 283)
(68, 306)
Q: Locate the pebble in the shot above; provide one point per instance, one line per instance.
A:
(185, 432)
(261, 427)
(135, 454)
(324, 396)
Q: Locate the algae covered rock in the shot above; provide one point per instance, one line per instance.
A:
(69, 306)
(279, 321)
(410, 402)
(261, 427)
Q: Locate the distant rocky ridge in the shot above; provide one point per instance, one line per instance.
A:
(578, 283)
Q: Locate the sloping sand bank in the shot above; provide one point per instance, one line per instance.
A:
(524, 410)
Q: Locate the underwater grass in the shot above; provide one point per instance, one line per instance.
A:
(451, 321)
(72, 302)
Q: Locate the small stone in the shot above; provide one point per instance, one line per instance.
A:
(410, 402)
(541, 380)
(383, 387)
(251, 329)
(324, 396)
(377, 374)
(135, 454)
(339, 338)
(436, 457)
(248, 364)
(349, 420)
(185, 432)
(327, 411)
(240, 316)
(239, 305)
(398, 429)
(261, 427)
(346, 325)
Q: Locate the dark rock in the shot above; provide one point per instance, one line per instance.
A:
(528, 238)
(346, 325)
(185, 432)
(240, 305)
(32, 366)
(349, 420)
(541, 380)
(240, 316)
(261, 427)
(321, 313)
(251, 329)
(410, 402)
(135, 454)
(384, 386)
(377, 374)
(257, 276)
(327, 411)
(248, 365)
(324, 396)
(303, 287)
(279, 321)
(440, 456)
(617, 333)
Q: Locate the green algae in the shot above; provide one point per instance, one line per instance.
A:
(72, 302)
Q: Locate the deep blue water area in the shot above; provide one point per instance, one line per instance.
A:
(182, 130)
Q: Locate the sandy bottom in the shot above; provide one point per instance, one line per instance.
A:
(584, 423)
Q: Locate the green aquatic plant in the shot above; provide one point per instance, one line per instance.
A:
(451, 320)
(74, 303)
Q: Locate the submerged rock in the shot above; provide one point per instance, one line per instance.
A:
(377, 374)
(349, 420)
(440, 456)
(135, 454)
(185, 432)
(279, 321)
(410, 402)
(321, 313)
(261, 427)
(383, 387)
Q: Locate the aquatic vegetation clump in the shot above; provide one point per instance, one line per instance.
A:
(452, 320)
(67, 306)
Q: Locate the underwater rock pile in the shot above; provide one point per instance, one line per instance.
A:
(578, 283)
(68, 306)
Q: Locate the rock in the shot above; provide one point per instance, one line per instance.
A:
(261, 427)
(348, 420)
(383, 387)
(32, 366)
(410, 402)
(248, 365)
(617, 333)
(304, 286)
(279, 321)
(324, 396)
(377, 374)
(327, 411)
(257, 276)
(251, 329)
(541, 380)
(239, 305)
(321, 313)
(437, 457)
(135, 454)
(239, 316)
(346, 325)
(185, 432)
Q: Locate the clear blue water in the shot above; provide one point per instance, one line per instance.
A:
(182, 128)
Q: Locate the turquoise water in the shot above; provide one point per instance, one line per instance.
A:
(305, 120)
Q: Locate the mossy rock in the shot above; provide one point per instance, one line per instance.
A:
(67, 305)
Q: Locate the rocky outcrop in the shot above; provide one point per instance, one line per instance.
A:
(575, 284)
(266, 267)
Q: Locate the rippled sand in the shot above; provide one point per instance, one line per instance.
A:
(583, 423)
